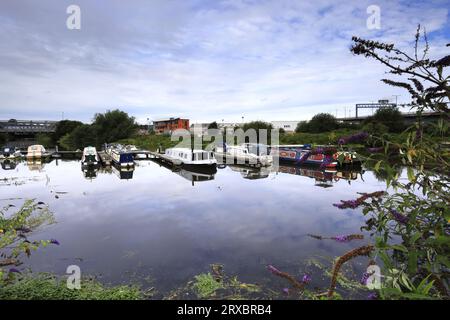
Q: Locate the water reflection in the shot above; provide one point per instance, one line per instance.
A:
(89, 172)
(162, 228)
(250, 172)
(8, 164)
(323, 177)
(121, 172)
(190, 173)
(35, 164)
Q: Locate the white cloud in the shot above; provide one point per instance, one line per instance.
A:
(199, 59)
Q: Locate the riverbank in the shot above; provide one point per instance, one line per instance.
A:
(153, 142)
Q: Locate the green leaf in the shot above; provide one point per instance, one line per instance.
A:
(411, 176)
(377, 165)
(399, 247)
(412, 262)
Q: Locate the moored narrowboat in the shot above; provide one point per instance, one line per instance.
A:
(120, 156)
(324, 156)
(251, 154)
(90, 157)
(10, 153)
(192, 158)
(37, 151)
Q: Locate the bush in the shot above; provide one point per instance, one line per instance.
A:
(64, 127)
(390, 117)
(322, 122)
(113, 125)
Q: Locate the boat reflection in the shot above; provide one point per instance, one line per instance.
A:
(123, 173)
(35, 164)
(250, 173)
(89, 172)
(191, 173)
(8, 164)
(323, 177)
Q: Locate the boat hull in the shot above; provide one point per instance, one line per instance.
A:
(201, 168)
(296, 156)
(122, 159)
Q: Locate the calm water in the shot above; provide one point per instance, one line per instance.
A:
(159, 228)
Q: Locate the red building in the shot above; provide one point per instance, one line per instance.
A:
(167, 126)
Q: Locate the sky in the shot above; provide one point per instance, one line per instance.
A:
(206, 60)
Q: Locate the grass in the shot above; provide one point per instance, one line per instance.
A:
(205, 285)
(49, 287)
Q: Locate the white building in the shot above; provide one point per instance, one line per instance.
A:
(288, 126)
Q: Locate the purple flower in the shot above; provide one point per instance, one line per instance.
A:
(375, 150)
(372, 296)
(340, 238)
(400, 218)
(306, 278)
(54, 241)
(286, 290)
(353, 204)
(364, 278)
(361, 136)
(14, 270)
(273, 269)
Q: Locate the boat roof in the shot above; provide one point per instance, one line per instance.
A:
(187, 150)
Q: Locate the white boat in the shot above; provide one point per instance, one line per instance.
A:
(90, 157)
(10, 153)
(245, 153)
(192, 157)
(36, 152)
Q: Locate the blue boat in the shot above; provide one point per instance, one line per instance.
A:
(120, 155)
(303, 154)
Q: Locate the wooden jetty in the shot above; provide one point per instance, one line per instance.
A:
(105, 158)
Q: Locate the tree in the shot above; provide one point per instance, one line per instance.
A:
(113, 126)
(389, 117)
(3, 138)
(259, 125)
(44, 139)
(64, 127)
(302, 126)
(213, 125)
(82, 136)
(321, 122)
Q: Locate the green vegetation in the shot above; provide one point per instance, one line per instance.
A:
(44, 139)
(150, 142)
(213, 125)
(14, 228)
(322, 122)
(3, 138)
(386, 118)
(205, 285)
(106, 128)
(411, 223)
(63, 128)
(49, 287)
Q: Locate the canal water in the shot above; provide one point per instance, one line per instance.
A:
(160, 228)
